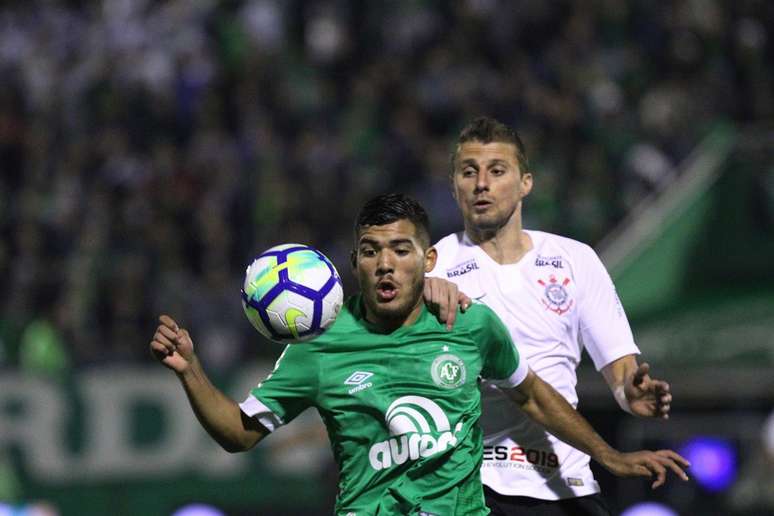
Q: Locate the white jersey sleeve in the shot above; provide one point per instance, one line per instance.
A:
(603, 326)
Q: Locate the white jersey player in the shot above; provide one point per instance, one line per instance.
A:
(556, 298)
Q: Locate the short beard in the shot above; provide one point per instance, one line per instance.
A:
(394, 317)
(484, 230)
(487, 228)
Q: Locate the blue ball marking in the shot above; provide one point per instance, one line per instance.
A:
(284, 283)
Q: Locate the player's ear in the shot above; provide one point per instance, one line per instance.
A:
(353, 260)
(453, 174)
(431, 256)
(526, 183)
(453, 183)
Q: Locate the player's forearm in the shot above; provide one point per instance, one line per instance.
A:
(217, 413)
(548, 408)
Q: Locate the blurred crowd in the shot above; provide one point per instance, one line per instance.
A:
(149, 149)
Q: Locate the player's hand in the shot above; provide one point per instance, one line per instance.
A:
(648, 397)
(647, 464)
(172, 345)
(442, 298)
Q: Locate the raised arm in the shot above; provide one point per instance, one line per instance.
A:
(217, 413)
(548, 408)
(635, 391)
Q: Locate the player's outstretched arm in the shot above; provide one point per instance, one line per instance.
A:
(442, 298)
(635, 391)
(547, 407)
(217, 413)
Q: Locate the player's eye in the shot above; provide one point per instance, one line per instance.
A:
(468, 172)
(402, 251)
(368, 252)
(498, 171)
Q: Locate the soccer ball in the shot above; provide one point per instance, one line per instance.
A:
(291, 293)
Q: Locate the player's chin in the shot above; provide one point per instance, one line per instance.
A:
(485, 221)
(390, 309)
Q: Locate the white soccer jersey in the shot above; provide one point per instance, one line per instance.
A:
(556, 300)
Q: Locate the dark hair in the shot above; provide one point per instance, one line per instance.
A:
(388, 208)
(488, 130)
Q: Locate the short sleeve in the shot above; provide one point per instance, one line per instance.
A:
(604, 328)
(501, 363)
(287, 391)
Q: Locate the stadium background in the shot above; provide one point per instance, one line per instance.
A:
(149, 150)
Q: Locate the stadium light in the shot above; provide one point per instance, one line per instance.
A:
(713, 462)
(198, 509)
(649, 509)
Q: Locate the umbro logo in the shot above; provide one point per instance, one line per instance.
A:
(358, 379)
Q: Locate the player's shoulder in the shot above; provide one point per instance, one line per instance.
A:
(478, 315)
(346, 323)
(449, 249)
(545, 242)
(481, 324)
(450, 243)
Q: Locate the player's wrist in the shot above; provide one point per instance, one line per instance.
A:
(608, 457)
(190, 370)
(619, 392)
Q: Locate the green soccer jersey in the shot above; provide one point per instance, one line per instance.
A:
(401, 408)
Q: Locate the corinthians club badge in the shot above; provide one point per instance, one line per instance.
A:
(556, 297)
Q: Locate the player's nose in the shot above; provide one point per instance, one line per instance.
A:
(482, 181)
(384, 263)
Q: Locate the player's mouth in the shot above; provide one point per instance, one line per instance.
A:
(482, 205)
(386, 291)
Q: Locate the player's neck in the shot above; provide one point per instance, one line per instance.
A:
(389, 324)
(506, 244)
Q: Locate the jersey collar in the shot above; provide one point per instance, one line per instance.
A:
(358, 310)
(533, 235)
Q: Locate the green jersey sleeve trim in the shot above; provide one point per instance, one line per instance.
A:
(518, 376)
(255, 408)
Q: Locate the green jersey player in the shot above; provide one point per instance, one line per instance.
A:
(398, 392)
(401, 407)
